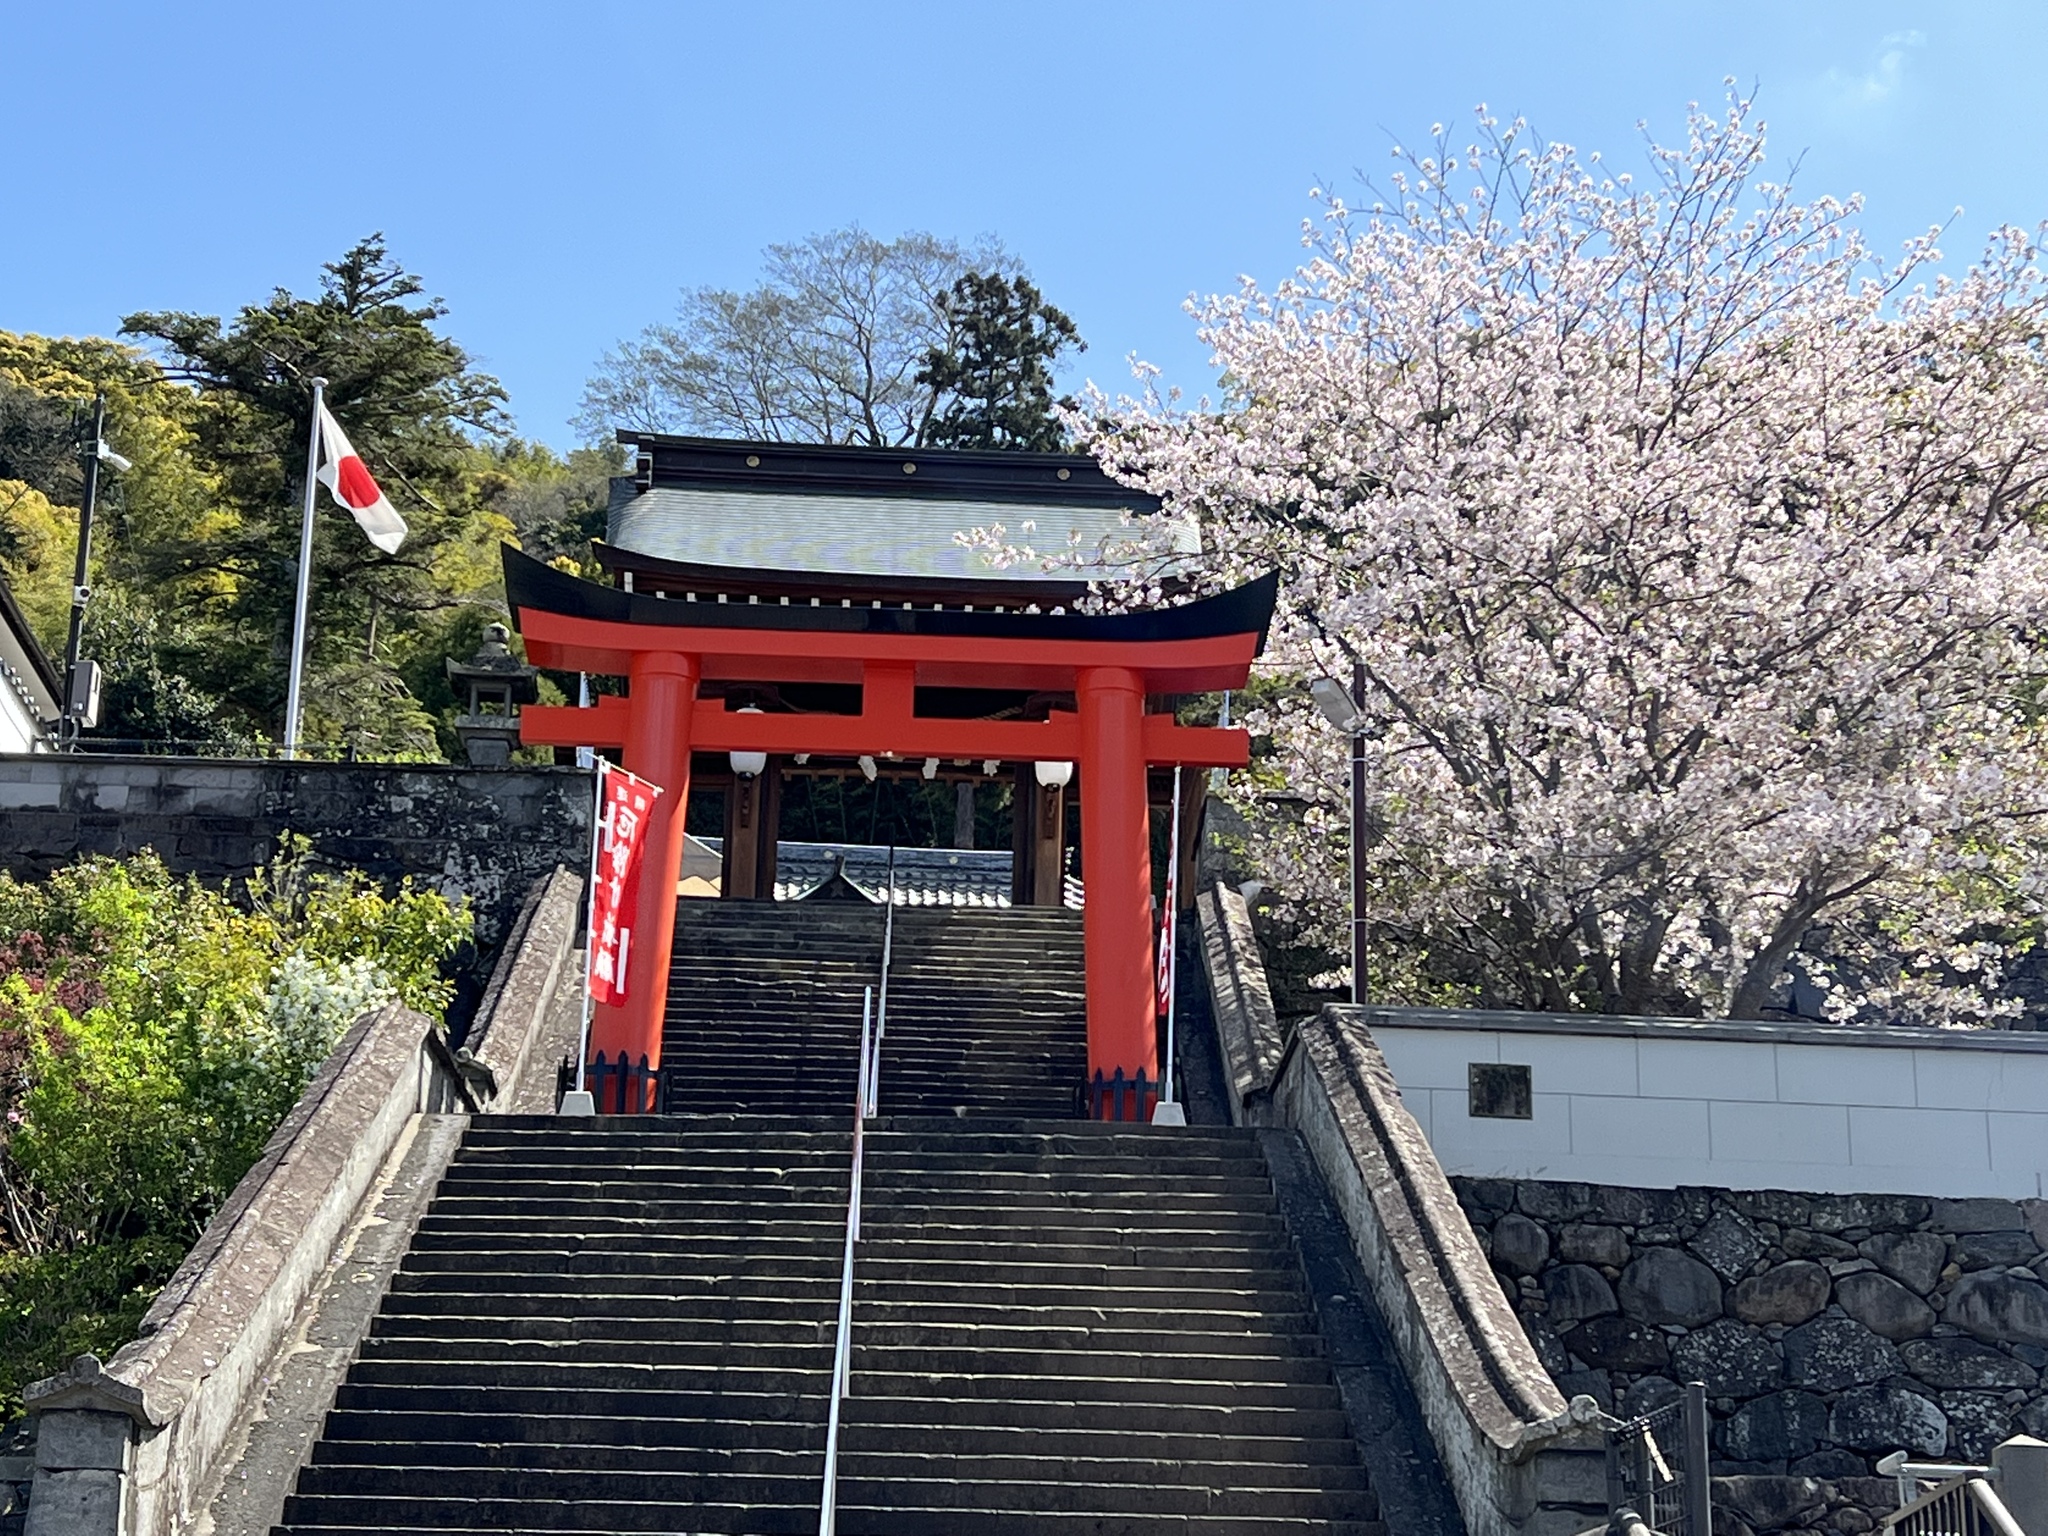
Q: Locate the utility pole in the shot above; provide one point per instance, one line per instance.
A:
(1345, 709)
(1361, 876)
(70, 722)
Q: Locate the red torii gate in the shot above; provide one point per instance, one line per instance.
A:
(667, 649)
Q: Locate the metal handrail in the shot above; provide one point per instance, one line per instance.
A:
(867, 1084)
(1963, 1505)
(871, 1102)
(1909, 1474)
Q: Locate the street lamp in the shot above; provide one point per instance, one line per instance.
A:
(1344, 708)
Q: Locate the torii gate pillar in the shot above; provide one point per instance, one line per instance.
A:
(664, 694)
(1116, 853)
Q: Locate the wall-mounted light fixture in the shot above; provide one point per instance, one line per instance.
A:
(1055, 775)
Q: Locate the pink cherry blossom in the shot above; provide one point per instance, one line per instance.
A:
(1691, 557)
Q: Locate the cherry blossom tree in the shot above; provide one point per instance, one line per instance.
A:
(1692, 563)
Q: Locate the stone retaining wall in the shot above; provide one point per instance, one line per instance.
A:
(487, 834)
(1829, 1329)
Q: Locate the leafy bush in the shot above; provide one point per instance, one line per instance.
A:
(153, 1032)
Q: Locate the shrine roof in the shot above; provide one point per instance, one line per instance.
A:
(793, 508)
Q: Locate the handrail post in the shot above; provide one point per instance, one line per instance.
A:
(1699, 1491)
(872, 1102)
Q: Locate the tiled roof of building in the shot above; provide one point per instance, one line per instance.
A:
(925, 877)
(855, 535)
(863, 512)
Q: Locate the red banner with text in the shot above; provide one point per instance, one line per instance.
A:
(628, 808)
(1162, 979)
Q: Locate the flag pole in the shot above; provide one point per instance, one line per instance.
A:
(298, 668)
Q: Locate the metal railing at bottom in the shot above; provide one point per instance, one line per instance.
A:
(1657, 1468)
(866, 1091)
(622, 1086)
(1962, 1501)
(1117, 1097)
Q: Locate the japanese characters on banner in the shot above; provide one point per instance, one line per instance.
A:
(614, 894)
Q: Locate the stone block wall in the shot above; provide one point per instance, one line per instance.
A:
(1829, 1329)
(487, 834)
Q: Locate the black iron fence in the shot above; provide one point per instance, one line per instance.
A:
(1117, 1097)
(1657, 1468)
(619, 1086)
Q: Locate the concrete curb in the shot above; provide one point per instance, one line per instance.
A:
(523, 987)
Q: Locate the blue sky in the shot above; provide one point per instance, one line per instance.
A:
(558, 172)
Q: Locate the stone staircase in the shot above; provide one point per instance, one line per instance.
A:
(987, 1010)
(604, 1325)
(1083, 1328)
(627, 1325)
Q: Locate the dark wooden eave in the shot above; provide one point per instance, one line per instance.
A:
(38, 659)
(533, 584)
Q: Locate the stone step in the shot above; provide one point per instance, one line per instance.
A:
(1199, 1382)
(486, 1287)
(877, 1307)
(665, 1404)
(425, 1487)
(878, 1346)
(1019, 1460)
(503, 1439)
(1059, 1327)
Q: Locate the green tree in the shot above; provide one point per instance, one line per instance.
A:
(164, 499)
(850, 339)
(991, 380)
(555, 504)
(415, 409)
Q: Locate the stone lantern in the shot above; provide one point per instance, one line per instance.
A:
(498, 683)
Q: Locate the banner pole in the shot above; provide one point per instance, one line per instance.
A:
(298, 667)
(1172, 941)
(589, 914)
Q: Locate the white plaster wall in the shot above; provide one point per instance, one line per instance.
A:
(1927, 1118)
(19, 730)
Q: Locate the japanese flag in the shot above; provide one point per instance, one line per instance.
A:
(342, 472)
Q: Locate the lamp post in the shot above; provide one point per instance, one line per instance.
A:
(1345, 709)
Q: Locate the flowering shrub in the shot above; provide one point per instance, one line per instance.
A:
(1692, 566)
(152, 1034)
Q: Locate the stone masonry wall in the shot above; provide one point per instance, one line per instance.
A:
(1829, 1329)
(486, 834)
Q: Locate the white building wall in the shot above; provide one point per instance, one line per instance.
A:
(1894, 1111)
(19, 727)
